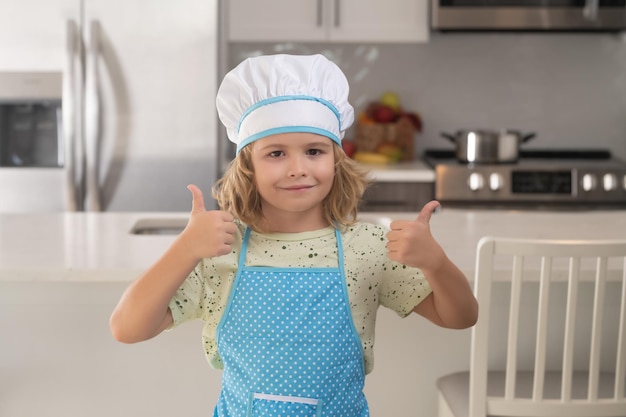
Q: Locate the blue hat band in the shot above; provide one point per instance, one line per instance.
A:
(287, 114)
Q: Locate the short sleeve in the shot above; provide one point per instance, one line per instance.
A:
(398, 286)
(403, 288)
(204, 293)
(188, 301)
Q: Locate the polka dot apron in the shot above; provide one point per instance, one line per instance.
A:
(289, 345)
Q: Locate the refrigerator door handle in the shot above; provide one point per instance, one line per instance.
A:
(69, 118)
(92, 117)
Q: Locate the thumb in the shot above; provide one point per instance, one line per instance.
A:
(197, 203)
(427, 211)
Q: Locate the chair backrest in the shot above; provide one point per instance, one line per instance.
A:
(549, 278)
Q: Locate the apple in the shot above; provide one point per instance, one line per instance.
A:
(415, 119)
(384, 114)
(370, 110)
(349, 147)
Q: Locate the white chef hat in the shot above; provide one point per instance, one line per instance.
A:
(271, 94)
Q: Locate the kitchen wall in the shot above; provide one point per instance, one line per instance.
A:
(569, 88)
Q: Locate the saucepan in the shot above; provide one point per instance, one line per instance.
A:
(488, 146)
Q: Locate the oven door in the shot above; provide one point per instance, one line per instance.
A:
(531, 15)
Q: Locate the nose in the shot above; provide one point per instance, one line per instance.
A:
(297, 166)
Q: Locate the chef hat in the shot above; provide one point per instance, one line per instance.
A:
(273, 94)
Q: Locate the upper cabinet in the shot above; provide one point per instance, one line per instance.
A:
(397, 21)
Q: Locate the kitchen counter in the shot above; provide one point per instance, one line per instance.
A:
(410, 171)
(62, 274)
(101, 248)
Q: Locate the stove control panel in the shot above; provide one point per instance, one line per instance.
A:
(516, 183)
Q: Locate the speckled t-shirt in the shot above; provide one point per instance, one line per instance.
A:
(372, 278)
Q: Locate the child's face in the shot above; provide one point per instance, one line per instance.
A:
(294, 173)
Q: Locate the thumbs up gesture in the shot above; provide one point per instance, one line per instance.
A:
(208, 233)
(410, 242)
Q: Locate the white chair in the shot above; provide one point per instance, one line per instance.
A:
(557, 344)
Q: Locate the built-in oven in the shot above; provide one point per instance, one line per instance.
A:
(31, 142)
(531, 15)
(548, 179)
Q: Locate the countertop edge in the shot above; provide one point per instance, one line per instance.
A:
(411, 171)
(100, 247)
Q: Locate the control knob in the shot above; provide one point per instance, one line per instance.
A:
(495, 181)
(609, 182)
(475, 181)
(589, 182)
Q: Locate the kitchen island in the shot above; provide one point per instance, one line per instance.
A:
(115, 247)
(61, 275)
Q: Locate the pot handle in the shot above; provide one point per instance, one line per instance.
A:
(448, 136)
(528, 136)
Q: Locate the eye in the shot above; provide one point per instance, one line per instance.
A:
(276, 154)
(314, 152)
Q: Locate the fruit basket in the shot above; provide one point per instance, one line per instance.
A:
(386, 132)
(394, 139)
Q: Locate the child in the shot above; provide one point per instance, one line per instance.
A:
(285, 278)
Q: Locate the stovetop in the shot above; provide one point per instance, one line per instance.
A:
(535, 157)
(554, 177)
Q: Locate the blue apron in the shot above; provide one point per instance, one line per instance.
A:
(289, 345)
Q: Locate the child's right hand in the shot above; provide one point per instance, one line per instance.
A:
(208, 233)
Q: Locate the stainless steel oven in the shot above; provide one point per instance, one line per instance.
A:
(556, 179)
(532, 15)
(31, 141)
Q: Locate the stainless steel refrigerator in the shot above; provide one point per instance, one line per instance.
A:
(125, 115)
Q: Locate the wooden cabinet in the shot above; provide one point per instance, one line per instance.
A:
(397, 196)
(327, 21)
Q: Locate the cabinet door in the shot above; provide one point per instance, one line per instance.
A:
(33, 34)
(327, 20)
(379, 21)
(276, 20)
(397, 196)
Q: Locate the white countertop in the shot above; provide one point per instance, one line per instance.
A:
(413, 171)
(98, 247)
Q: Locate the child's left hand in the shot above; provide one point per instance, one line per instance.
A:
(410, 242)
(451, 303)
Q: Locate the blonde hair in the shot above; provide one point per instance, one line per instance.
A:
(236, 191)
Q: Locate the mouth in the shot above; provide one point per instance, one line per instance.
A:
(298, 187)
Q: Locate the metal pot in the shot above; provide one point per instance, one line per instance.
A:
(488, 146)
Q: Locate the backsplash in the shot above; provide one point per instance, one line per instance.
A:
(568, 88)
